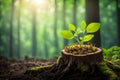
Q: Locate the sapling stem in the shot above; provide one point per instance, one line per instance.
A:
(81, 43)
(77, 40)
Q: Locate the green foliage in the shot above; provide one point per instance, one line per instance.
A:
(106, 18)
(112, 53)
(72, 27)
(67, 34)
(83, 25)
(87, 37)
(84, 34)
(93, 27)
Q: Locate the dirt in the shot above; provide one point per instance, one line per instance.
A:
(11, 69)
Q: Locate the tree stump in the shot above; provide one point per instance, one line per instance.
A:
(89, 58)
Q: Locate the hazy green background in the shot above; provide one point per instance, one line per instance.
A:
(45, 25)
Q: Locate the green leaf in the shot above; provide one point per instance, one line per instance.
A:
(93, 27)
(66, 34)
(81, 38)
(77, 32)
(72, 27)
(88, 37)
(83, 25)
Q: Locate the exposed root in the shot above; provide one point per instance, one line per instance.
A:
(108, 72)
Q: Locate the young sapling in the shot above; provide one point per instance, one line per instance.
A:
(82, 34)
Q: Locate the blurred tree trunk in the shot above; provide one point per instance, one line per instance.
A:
(0, 11)
(1, 51)
(34, 42)
(118, 19)
(92, 15)
(75, 12)
(4, 31)
(64, 21)
(55, 26)
(45, 35)
(11, 29)
(45, 41)
(18, 33)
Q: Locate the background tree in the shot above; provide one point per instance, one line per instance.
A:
(0, 9)
(46, 49)
(92, 15)
(0, 27)
(75, 12)
(34, 42)
(55, 25)
(64, 20)
(118, 19)
(108, 15)
(4, 27)
(11, 29)
(18, 31)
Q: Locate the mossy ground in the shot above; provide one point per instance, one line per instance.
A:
(104, 70)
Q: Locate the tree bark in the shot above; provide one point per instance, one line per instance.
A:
(64, 21)
(118, 19)
(11, 30)
(92, 15)
(34, 42)
(90, 58)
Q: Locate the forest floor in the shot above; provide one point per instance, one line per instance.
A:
(10, 68)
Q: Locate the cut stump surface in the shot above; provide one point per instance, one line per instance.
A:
(90, 58)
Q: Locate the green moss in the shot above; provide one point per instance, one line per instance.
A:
(112, 65)
(83, 68)
(39, 68)
(58, 60)
(105, 70)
